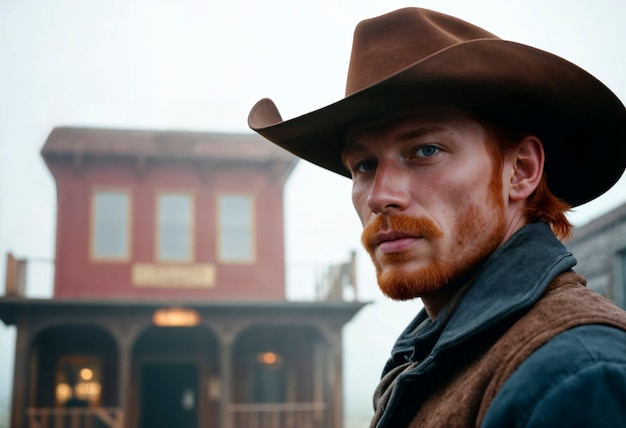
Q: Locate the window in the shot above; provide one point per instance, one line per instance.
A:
(236, 234)
(78, 381)
(110, 231)
(174, 227)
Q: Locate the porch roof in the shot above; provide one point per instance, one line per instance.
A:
(12, 306)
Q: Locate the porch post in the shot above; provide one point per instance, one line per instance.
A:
(336, 373)
(125, 331)
(226, 370)
(124, 359)
(21, 376)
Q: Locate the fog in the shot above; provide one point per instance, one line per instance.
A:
(201, 65)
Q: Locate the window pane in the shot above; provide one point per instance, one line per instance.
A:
(110, 224)
(174, 227)
(78, 381)
(236, 240)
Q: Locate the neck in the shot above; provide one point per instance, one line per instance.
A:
(450, 294)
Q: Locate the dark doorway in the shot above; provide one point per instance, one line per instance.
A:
(269, 384)
(169, 395)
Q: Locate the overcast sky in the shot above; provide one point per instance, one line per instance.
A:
(200, 65)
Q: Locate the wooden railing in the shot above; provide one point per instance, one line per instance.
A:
(57, 417)
(279, 415)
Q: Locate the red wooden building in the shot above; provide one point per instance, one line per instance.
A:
(169, 305)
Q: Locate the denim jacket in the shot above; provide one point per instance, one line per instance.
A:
(585, 365)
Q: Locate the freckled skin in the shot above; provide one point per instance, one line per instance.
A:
(433, 168)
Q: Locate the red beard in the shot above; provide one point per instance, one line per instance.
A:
(394, 282)
(477, 234)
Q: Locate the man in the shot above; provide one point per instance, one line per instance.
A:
(465, 151)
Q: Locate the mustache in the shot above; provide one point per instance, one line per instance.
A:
(414, 226)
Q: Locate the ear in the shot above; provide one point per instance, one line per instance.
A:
(527, 162)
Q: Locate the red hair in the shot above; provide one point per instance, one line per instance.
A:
(542, 205)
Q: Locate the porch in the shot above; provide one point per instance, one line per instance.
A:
(265, 415)
(271, 364)
(278, 415)
(57, 417)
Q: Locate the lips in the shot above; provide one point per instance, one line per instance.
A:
(393, 242)
(397, 233)
(392, 235)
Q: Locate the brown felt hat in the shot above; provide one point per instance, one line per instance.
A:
(416, 57)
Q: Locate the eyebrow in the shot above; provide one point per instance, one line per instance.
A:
(420, 132)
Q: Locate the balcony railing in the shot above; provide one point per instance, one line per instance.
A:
(55, 417)
(279, 415)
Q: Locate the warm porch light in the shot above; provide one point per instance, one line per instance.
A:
(77, 380)
(87, 391)
(176, 317)
(269, 358)
(63, 392)
(86, 374)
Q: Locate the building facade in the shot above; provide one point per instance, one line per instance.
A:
(600, 248)
(169, 306)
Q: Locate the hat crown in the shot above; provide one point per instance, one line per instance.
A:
(384, 45)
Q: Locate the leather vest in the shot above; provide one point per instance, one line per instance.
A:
(463, 400)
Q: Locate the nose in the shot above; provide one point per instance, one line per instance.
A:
(389, 191)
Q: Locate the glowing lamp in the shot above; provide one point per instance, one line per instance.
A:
(176, 317)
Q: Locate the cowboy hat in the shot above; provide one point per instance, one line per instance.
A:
(417, 57)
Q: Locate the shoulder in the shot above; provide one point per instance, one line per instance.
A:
(578, 378)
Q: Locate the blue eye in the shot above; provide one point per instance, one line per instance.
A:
(427, 151)
(365, 166)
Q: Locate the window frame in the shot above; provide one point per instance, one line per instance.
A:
(252, 229)
(190, 256)
(128, 226)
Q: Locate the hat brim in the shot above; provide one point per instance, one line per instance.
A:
(581, 123)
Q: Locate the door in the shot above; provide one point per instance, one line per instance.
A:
(169, 395)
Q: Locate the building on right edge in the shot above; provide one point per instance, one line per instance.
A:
(600, 248)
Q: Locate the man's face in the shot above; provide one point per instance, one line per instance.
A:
(429, 196)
